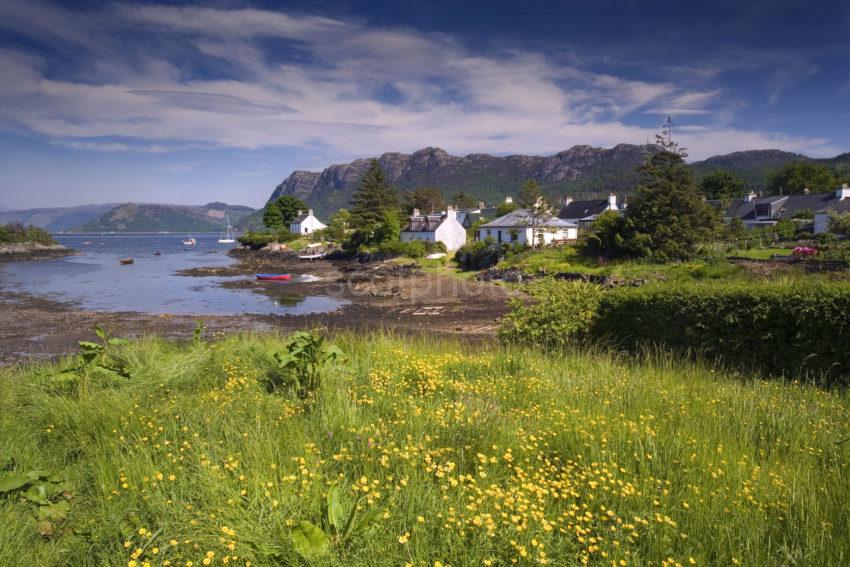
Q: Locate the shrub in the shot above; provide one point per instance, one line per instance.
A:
(15, 233)
(562, 314)
(480, 254)
(301, 364)
(798, 329)
(256, 240)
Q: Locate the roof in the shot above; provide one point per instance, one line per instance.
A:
(583, 209)
(300, 219)
(424, 223)
(777, 207)
(521, 218)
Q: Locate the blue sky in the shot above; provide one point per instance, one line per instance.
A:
(190, 103)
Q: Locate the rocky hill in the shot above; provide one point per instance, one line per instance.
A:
(135, 217)
(582, 171)
(485, 177)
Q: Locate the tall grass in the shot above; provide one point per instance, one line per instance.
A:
(471, 455)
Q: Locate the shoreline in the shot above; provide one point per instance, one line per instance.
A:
(24, 251)
(381, 297)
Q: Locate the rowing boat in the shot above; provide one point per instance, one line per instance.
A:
(273, 276)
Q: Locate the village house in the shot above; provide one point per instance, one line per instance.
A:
(583, 213)
(518, 226)
(467, 217)
(755, 211)
(436, 227)
(306, 223)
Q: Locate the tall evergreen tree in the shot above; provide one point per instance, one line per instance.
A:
(667, 219)
(372, 198)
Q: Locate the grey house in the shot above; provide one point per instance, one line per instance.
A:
(583, 213)
(755, 211)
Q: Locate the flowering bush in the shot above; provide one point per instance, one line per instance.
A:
(804, 251)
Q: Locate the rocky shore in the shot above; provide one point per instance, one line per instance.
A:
(32, 251)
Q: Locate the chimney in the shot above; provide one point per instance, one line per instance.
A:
(509, 199)
(749, 196)
(415, 212)
(612, 202)
(480, 204)
(843, 192)
(299, 213)
(450, 212)
(310, 213)
(567, 200)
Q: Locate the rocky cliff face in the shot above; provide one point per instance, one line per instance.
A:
(484, 177)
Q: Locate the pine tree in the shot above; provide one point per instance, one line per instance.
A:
(372, 198)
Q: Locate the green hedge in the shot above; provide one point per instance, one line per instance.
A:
(799, 329)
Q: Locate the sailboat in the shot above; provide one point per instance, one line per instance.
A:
(229, 239)
(190, 241)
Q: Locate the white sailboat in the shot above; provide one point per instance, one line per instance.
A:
(230, 238)
(190, 241)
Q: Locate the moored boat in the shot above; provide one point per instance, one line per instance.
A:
(273, 276)
(126, 261)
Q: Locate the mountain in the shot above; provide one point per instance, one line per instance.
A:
(55, 219)
(136, 217)
(580, 169)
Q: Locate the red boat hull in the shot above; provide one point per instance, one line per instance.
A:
(273, 277)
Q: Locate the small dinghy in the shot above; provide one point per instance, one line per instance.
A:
(273, 276)
(126, 261)
(157, 253)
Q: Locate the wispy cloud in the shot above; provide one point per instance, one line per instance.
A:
(208, 79)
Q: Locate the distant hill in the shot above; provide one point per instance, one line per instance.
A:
(55, 219)
(582, 171)
(756, 166)
(135, 217)
(578, 170)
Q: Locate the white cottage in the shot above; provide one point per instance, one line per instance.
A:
(436, 227)
(517, 226)
(306, 224)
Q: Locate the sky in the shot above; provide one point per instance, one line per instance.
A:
(220, 101)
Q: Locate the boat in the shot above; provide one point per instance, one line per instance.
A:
(230, 238)
(157, 253)
(275, 277)
(190, 241)
(126, 261)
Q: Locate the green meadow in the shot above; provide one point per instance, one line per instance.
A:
(416, 452)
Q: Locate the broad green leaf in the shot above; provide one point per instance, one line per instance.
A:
(117, 341)
(309, 541)
(89, 346)
(100, 332)
(55, 512)
(335, 513)
(14, 481)
(367, 521)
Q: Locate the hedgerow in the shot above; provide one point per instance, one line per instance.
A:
(798, 330)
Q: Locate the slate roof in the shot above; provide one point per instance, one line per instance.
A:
(521, 218)
(300, 219)
(583, 209)
(424, 223)
(778, 207)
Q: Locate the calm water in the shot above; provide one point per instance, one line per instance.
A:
(97, 281)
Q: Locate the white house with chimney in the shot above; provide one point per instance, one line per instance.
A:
(306, 223)
(519, 226)
(435, 227)
(583, 213)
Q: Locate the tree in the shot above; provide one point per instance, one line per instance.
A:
(721, 185)
(667, 219)
(605, 238)
(504, 208)
(539, 211)
(798, 176)
(426, 199)
(463, 201)
(839, 223)
(338, 225)
(282, 211)
(372, 199)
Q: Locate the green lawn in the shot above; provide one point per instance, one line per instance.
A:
(453, 454)
(761, 253)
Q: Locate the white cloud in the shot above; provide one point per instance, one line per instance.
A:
(319, 90)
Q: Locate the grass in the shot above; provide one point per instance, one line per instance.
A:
(761, 253)
(567, 259)
(470, 455)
